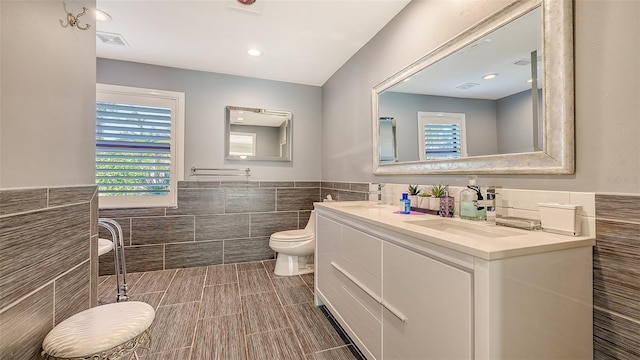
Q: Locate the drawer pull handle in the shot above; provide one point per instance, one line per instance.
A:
(357, 283)
(375, 297)
(394, 311)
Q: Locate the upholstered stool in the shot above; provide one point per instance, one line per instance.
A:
(103, 332)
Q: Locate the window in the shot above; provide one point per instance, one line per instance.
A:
(242, 144)
(388, 148)
(139, 146)
(441, 135)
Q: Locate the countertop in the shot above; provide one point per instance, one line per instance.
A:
(480, 239)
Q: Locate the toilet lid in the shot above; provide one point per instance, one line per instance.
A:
(292, 235)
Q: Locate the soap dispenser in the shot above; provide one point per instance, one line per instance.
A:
(468, 202)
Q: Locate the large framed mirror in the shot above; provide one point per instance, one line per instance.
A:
(257, 134)
(496, 99)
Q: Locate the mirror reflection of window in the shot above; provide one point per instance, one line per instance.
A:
(441, 135)
(388, 147)
(242, 144)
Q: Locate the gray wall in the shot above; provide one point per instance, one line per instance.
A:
(207, 94)
(480, 119)
(607, 85)
(514, 123)
(267, 138)
(47, 84)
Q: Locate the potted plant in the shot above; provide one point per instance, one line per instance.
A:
(414, 191)
(437, 191)
(423, 200)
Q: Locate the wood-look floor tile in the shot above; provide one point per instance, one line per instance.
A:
(278, 344)
(153, 281)
(254, 282)
(221, 274)
(184, 289)
(220, 338)
(270, 266)
(220, 300)
(174, 326)
(341, 353)
(263, 312)
(107, 287)
(177, 354)
(308, 279)
(191, 271)
(292, 290)
(312, 328)
(254, 265)
(152, 298)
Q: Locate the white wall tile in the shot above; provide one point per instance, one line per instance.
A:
(586, 200)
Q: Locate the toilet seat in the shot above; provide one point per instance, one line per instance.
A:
(292, 235)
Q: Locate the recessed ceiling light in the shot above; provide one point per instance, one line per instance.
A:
(254, 52)
(490, 76)
(102, 16)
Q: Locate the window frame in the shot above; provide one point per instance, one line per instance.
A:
(175, 101)
(253, 137)
(428, 117)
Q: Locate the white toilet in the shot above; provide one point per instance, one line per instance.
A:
(295, 249)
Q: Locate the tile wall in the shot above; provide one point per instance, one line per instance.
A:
(47, 272)
(616, 277)
(218, 222)
(513, 202)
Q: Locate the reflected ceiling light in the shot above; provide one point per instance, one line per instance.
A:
(530, 81)
(102, 16)
(490, 76)
(254, 52)
(239, 119)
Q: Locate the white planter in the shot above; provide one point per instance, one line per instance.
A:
(423, 202)
(414, 200)
(434, 203)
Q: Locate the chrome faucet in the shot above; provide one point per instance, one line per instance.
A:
(489, 202)
(380, 186)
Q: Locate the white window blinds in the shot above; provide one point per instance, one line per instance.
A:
(441, 135)
(442, 141)
(139, 146)
(133, 149)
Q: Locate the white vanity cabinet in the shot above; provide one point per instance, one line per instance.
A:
(428, 307)
(349, 281)
(401, 294)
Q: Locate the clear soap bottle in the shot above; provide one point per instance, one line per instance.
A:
(468, 201)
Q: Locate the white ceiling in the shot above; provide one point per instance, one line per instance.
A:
(496, 53)
(303, 41)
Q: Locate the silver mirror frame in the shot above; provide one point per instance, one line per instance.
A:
(287, 114)
(558, 155)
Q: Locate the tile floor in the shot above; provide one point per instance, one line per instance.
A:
(234, 311)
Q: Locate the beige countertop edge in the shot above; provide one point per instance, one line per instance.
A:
(529, 242)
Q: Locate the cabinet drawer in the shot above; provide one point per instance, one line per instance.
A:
(356, 309)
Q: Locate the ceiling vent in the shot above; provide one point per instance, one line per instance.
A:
(111, 38)
(467, 86)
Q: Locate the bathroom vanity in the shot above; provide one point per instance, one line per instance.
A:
(426, 287)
